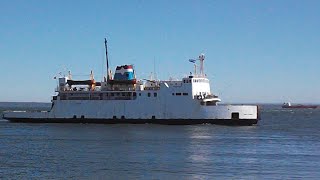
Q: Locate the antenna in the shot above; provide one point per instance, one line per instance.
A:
(69, 75)
(154, 68)
(105, 44)
(201, 59)
(103, 78)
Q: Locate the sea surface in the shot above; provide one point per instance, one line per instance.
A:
(284, 145)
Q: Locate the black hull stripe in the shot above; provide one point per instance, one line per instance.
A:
(236, 122)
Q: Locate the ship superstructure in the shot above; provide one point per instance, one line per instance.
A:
(122, 98)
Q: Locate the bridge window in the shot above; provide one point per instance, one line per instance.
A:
(155, 94)
(185, 94)
(178, 94)
(149, 94)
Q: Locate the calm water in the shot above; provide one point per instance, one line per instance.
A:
(284, 145)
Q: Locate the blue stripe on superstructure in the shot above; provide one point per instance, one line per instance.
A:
(125, 76)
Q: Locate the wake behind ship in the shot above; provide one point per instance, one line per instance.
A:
(122, 98)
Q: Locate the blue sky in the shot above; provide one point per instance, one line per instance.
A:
(256, 51)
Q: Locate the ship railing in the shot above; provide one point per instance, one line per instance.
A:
(99, 96)
(197, 76)
(152, 88)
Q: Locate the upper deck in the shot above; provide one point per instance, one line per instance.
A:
(192, 87)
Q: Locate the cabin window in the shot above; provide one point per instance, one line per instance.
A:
(185, 94)
(118, 94)
(122, 117)
(123, 94)
(114, 117)
(139, 94)
(184, 81)
(149, 94)
(134, 94)
(235, 115)
(155, 94)
(178, 94)
(153, 117)
(111, 94)
(172, 94)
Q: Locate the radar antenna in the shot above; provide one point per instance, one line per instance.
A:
(201, 59)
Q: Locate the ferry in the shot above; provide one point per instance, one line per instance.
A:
(122, 98)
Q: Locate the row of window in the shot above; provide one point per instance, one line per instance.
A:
(124, 94)
(101, 96)
(179, 94)
(196, 80)
(149, 94)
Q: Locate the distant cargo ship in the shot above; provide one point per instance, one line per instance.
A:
(289, 105)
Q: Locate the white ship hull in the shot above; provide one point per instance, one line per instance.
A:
(153, 111)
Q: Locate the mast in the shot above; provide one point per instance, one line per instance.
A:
(106, 47)
(201, 59)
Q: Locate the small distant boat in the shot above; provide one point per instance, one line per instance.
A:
(289, 105)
